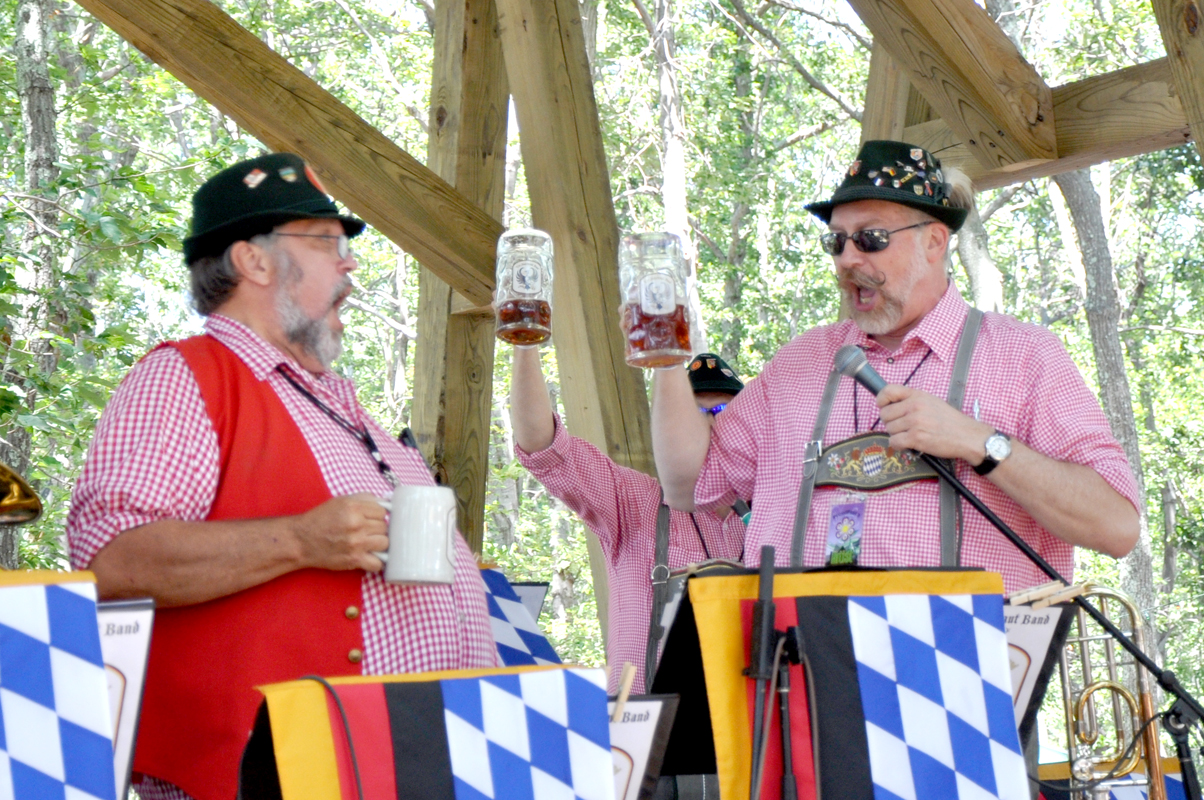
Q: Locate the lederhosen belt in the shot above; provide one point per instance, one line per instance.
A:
(867, 461)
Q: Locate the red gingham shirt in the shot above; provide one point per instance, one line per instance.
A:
(620, 505)
(1024, 384)
(155, 456)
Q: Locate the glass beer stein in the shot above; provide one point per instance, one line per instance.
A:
(652, 280)
(523, 296)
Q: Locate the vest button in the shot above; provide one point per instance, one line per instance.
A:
(352, 612)
(355, 656)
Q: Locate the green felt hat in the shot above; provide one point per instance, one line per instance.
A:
(899, 173)
(710, 373)
(253, 197)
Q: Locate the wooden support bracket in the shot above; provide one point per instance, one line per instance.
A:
(972, 74)
(1123, 113)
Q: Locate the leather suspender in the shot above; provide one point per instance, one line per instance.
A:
(950, 539)
(811, 453)
(951, 544)
(660, 592)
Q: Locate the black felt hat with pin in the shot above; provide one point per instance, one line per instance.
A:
(899, 173)
(710, 373)
(254, 196)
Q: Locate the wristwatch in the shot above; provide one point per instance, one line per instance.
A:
(998, 447)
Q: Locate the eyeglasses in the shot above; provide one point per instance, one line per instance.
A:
(343, 242)
(713, 410)
(871, 241)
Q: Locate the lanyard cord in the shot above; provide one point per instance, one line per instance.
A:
(856, 386)
(359, 432)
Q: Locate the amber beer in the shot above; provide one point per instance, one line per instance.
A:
(524, 322)
(656, 340)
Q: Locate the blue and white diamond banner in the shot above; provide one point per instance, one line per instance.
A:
(937, 696)
(56, 730)
(531, 736)
(519, 640)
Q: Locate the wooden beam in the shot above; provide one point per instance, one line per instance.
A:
(1124, 113)
(221, 61)
(886, 94)
(567, 178)
(971, 73)
(1182, 26)
(453, 364)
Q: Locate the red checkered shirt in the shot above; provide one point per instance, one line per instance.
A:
(620, 505)
(1021, 381)
(155, 456)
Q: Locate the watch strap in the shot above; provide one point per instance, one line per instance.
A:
(989, 463)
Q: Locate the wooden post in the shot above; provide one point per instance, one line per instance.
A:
(604, 399)
(886, 94)
(453, 364)
(1182, 26)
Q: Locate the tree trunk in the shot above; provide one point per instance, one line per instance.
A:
(39, 274)
(733, 284)
(673, 160)
(986, 281)
(1103, 318)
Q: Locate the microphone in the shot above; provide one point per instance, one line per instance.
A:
(851, 362)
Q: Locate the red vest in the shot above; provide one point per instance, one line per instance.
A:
(206, 659)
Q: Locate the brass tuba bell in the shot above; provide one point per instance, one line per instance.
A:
(19, 503)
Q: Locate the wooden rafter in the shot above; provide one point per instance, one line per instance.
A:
(1124, 113)
(1182, 26)
(972, 74)
(228, 66)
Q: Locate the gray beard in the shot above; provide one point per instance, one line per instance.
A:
(880, 321)
(314, 336)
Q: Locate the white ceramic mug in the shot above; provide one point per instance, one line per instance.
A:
(422, 535)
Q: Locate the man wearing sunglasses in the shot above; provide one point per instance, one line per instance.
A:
(234, 478)
(622, 506)
(832, 468)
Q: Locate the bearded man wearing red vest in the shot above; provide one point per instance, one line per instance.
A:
(234, 478)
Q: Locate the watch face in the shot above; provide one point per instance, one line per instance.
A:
(998, 447)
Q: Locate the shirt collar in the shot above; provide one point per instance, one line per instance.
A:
(940, 329)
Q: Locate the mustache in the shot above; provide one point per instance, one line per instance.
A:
(850, 279)
(341, 291)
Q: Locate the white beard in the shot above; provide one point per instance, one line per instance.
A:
(313, 335)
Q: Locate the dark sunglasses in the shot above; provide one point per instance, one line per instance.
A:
(872, 241)
(342, 241)
(713, 410)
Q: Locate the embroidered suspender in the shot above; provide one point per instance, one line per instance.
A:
(811, 453)
(950, 508)
(951, 539)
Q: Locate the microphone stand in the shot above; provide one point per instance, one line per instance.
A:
(1186, 710)
(760, 667)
